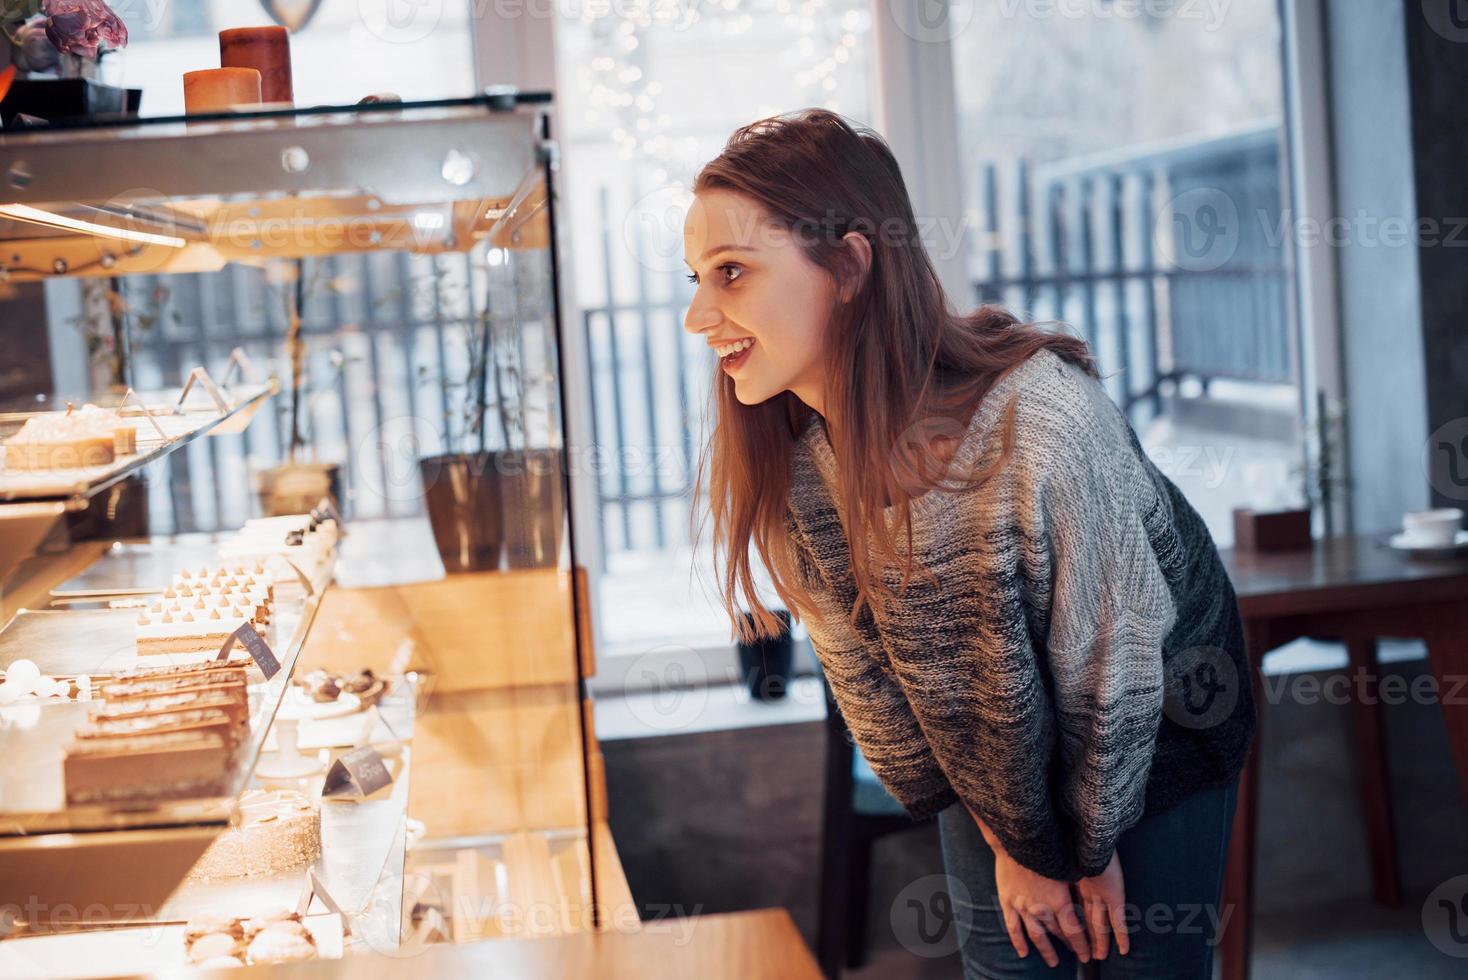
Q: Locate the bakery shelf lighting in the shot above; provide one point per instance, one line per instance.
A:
(24, 212)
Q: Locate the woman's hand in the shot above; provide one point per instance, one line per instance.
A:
(1103, 898)
(1034, 905)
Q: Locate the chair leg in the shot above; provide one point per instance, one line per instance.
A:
(837, 821)
(1235, 945)
(1238, 883)
(859, 880)
(1376, 795)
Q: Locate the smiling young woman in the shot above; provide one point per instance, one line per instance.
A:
(1024, 623)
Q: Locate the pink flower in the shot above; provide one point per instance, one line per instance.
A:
(81, 27)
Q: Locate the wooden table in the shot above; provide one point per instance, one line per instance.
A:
(1355, 590)
(758, 945)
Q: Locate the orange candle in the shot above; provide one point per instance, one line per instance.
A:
(217, 89)
(266, 49)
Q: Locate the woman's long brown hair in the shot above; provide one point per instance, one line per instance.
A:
(899, 359)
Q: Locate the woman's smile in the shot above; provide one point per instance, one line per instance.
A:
(738, 353)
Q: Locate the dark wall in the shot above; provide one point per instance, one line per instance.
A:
(1437, 73)
(724, 820)
(25, 354)
(1397, 76)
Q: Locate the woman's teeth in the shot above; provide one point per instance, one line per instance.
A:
(735, 347)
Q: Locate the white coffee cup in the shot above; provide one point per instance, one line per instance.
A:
(1432, 528)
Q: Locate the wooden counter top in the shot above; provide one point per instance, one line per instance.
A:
(758, 945)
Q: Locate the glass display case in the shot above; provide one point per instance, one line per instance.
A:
(304, 364)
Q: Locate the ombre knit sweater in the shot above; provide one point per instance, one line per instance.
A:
(1080, 662)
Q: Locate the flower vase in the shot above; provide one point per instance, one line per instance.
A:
(75, 66)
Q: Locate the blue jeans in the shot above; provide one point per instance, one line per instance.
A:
(1172, 864)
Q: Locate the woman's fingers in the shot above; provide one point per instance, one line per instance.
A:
(1096, 923)
(1071, 930)
(1118, 926)
(1036, 930)
(1016, 930)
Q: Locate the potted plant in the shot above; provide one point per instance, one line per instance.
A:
(110, 321)
(765, 664)
(501, 506)
(300, 481)
(1317, 480)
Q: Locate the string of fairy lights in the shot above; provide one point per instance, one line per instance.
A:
(815, 41)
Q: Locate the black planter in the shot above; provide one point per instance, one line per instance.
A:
(531, 490)
(463, 496)
(765, 664)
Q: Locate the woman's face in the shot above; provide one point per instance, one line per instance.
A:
(756, 290)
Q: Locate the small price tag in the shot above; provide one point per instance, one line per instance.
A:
(360, 772)
(249, 638)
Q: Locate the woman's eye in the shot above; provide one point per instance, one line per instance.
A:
(726, 269)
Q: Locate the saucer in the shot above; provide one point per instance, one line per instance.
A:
(1400, 542)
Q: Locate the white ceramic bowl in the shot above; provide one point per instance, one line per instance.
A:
(1432, 527)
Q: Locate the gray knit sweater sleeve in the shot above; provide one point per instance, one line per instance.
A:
(871, 700)
(1029, 679)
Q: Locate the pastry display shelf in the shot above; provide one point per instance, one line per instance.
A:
(69, 643)
(31, 502)
(180, 425)
(191, 195)
(363, 845)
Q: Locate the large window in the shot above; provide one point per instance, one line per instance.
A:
(1125, 174)
(1121, 170)
(649, 93)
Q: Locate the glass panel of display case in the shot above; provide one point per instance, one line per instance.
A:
(307, 364)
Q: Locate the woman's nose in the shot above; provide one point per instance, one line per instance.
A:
(701, 316)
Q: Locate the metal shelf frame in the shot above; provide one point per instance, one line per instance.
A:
(75, 487)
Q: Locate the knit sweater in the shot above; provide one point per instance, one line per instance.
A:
(1080, 662)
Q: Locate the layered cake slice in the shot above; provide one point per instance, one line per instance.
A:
(212, 720)
(159, 733)
(229, 699)
(195, 684)
(163, 766)
(124, 433)
(199, 610)
(213, 670)
(140, 702)
(91, 437)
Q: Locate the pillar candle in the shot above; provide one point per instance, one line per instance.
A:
(266, 49)
(217, 89)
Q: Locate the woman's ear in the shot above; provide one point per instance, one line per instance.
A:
(860, 252)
